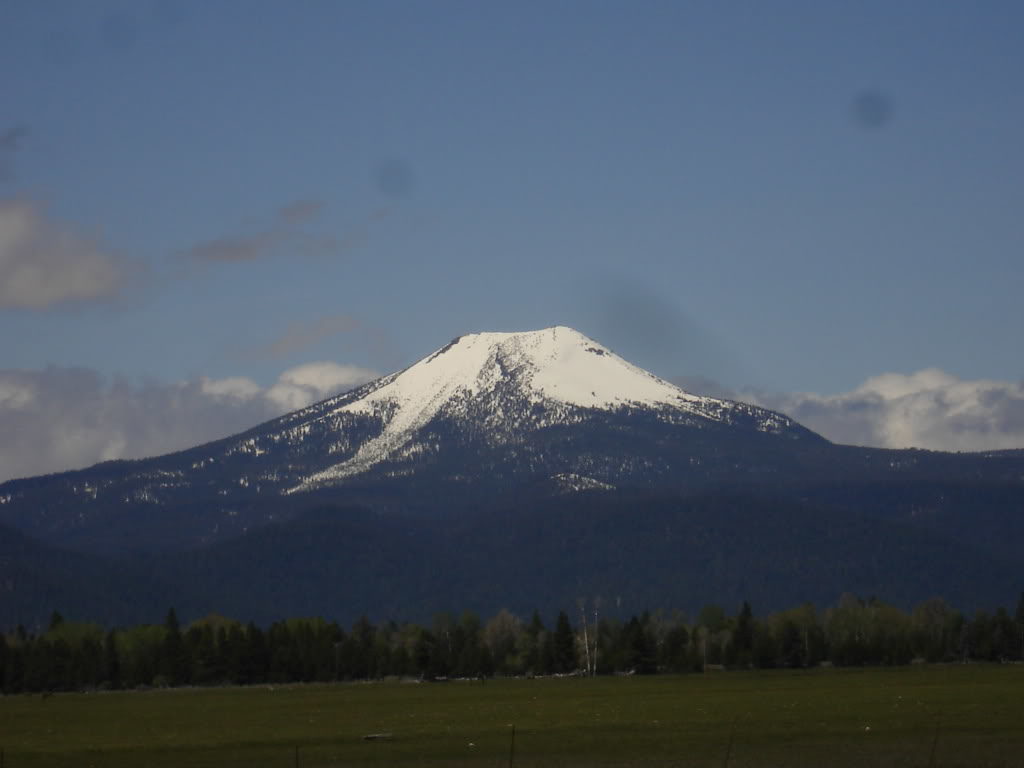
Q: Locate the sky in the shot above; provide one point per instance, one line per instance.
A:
(215, 212)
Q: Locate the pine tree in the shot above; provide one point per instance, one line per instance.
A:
(422, 652)
(677, 641)
(111, 662)
(364, 634)
(546, 654)
(743, 636)
(634, 646)
(55, 620)
(172, 653)
(1018, 619)
(255, 659)
(234, 653)
(533, 660)
(57, 664)
(564, 645)
(4, 655)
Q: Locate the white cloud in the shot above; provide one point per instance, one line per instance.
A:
(15, 396)
(298, 387)
(44, 263)
(64, 418)
(928, 409)
(235, 387)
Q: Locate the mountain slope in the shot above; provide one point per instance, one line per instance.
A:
(36, 579)
(636, 551)
(488, 413)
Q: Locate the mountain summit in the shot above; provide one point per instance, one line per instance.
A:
(509, 383)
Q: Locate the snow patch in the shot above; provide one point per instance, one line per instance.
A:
(571, 482)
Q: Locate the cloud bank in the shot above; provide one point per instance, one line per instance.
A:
(65, 418)
(44, 263)
(928, 409)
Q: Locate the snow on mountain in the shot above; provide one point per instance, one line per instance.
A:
(555, 370)
(553, 364)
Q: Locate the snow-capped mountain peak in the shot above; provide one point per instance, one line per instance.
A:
(557, 369)
(557, 364)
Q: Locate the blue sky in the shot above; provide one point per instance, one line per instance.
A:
(781, 197)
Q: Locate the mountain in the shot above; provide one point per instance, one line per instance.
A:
(487, 413)
(497, 435)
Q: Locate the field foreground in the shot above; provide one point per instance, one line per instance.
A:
(920, 716)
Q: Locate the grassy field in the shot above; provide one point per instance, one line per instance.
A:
(971, 715)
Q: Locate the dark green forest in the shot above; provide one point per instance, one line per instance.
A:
(73, 655)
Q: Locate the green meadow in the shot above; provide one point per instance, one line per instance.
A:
(911, 716)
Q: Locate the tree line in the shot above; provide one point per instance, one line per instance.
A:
(214, 650)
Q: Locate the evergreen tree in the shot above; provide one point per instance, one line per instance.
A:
(744, 634)
(534, 633)
(172, 657)
(790, 644)
(546, 655)
(765, 650)
(56, 660)
(441, 656)
(673, 652)
(363, 636)
(328, 643)
(283, 660)
(468, 651)
(14, 674)
(633, 645)
(111, 661)
(88, 662)
(4, 663)
(1003, 636)
(536, 626)
(401, 662)
(234, 653)
(742, 648)
(254, 656)
(1018, 620)
(564, 642)
(422, 652)
(980, 637)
